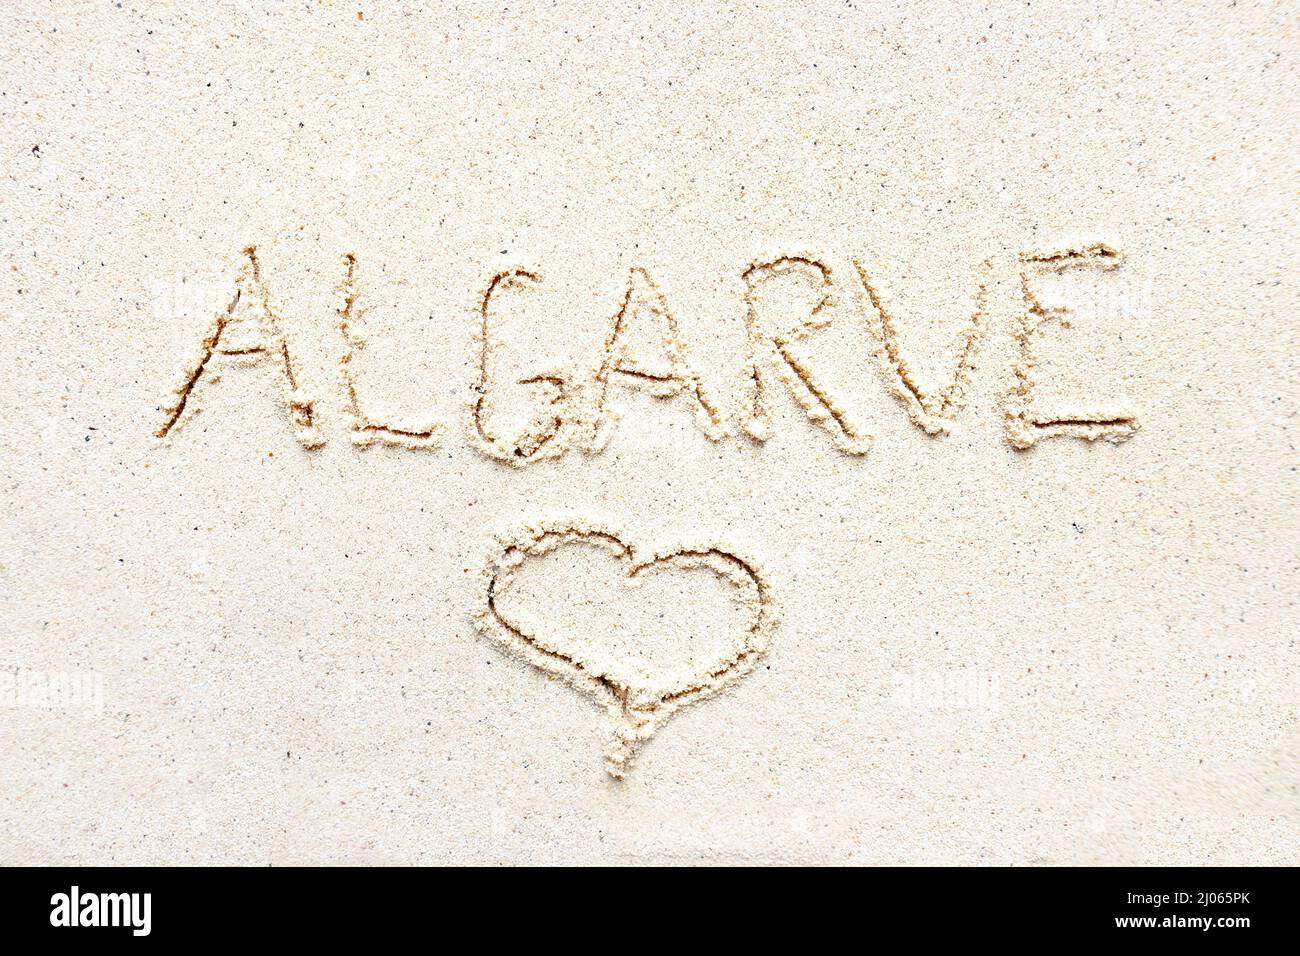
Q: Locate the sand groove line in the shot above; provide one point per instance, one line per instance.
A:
(636, 712)
(366, 430)
(930, 411)
(302, 410)
(565, 415)
(1024, 428)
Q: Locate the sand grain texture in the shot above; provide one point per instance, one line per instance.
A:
(972, 327)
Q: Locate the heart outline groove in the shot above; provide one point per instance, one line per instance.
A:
(635, 713)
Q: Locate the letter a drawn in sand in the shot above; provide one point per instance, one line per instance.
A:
(247, 330)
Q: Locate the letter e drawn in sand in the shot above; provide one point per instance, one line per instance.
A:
(1025, 425)
(641, 665)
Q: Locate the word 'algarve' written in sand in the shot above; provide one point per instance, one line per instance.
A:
(522, 418)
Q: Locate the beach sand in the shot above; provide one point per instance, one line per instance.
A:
(621, 433)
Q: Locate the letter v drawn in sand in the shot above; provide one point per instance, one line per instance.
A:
(929, 410)
(641, 667)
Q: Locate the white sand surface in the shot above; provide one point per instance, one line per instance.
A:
(648, 432)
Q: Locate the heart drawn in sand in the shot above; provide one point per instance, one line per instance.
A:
(642, 634)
